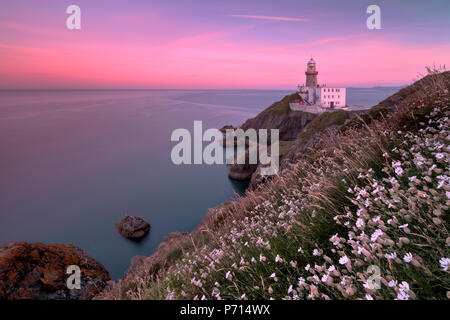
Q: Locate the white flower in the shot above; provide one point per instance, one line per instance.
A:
(404, 286)
(391, 256)
(359, 223)
(300, 250)
(403, 226)
(262, 258)
(315, 252)
(399, 171)
(445, 263)
(408, 257)
(375, 235)
(402, 296)
(273, 275)
(440, 156)
(243, 296)
(307, 267)
(290, 289)
(228, 275)
(301, 281)
(369, 297)
(343, 260)
(392, 283)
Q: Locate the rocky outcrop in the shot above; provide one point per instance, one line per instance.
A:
(280, 116)
(277, 116)
(242, 172)
(133, 228)
(38, 271)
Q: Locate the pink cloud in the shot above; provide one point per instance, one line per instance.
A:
(246, 16)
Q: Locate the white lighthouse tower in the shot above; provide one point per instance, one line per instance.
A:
(317, 98)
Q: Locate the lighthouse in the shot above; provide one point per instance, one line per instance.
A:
(318, 98)
(311, 74)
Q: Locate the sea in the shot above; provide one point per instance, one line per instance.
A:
(74, 162)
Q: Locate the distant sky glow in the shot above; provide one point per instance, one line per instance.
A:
(208, 44)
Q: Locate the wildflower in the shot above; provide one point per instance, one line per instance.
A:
(301, 281)
(243, 296)
(293, 264)
(308, 266)
(290, 289)
(440, 156)
(300, 250)
(445, 263)
(270, 290)
(408, 257)
(343, 260)
(316, 252)
(375, 235)
(404, 286)
(359, 223)
(403, 226)
(369, 297)
(402, 296)
(262, 258)
(399, 171)
(228, 276)
(278, 258)
(363, 193)
(392, 283)
(391, 256)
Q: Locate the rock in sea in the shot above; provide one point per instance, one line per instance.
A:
(133, 228)
(38, 271)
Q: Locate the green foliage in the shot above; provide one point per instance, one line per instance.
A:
(282, 106)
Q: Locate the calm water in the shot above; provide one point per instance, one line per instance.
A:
(72, 163)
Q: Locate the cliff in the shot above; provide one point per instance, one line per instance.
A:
(372, 190)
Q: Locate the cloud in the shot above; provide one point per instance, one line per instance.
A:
(246, 16)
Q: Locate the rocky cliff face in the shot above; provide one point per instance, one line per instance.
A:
(38, 271)
(279, 116)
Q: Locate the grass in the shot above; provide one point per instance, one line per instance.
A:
(282, 106)
(320, 123)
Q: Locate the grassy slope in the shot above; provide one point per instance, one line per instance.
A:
(376, 197)
(320, 123)
(283, 107)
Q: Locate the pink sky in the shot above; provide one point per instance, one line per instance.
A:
(143, 50)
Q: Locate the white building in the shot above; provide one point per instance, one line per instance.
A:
(318, 98)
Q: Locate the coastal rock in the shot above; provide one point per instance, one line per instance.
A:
(280, 116)
(38, 271)
(225, 128)
(132, 227)
(242, 172)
